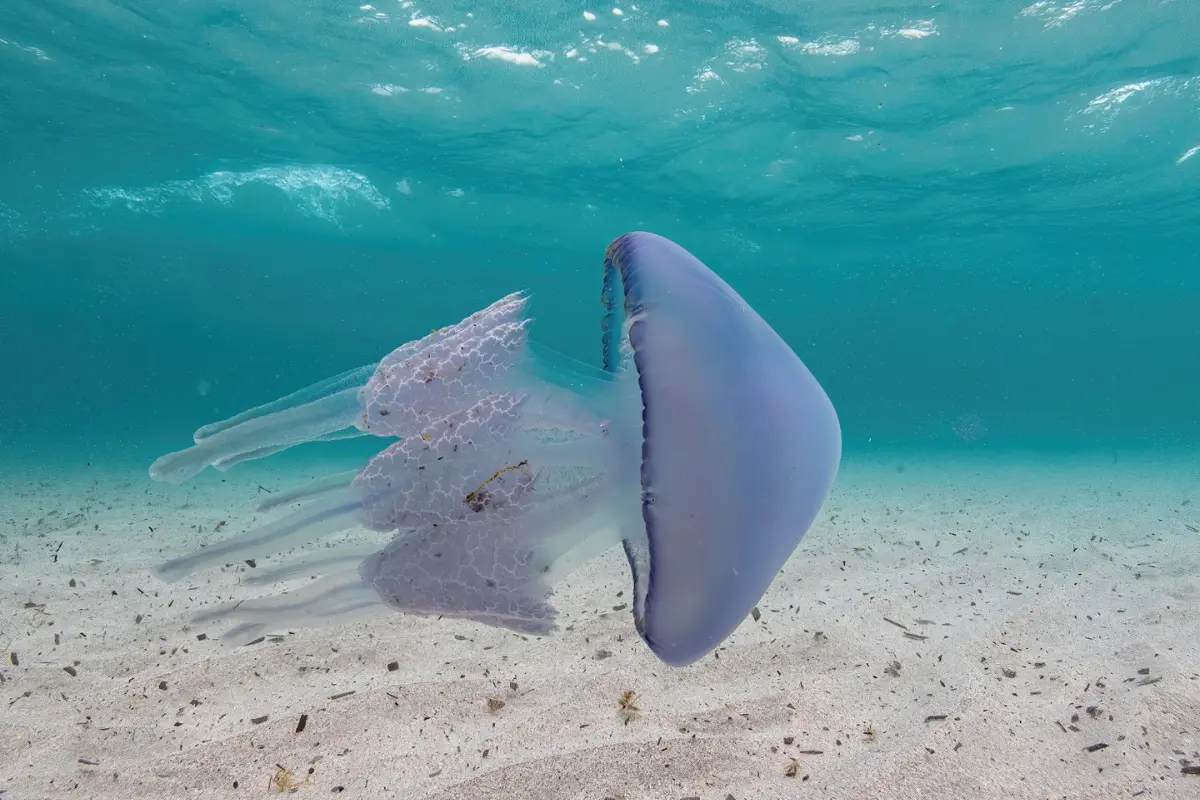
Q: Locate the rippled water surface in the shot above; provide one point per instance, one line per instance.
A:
(949, 209)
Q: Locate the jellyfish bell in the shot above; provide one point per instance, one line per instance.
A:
(740, 447)
(703, 446)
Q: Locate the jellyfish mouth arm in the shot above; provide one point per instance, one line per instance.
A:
(351, 378)
(324, 485)
(407, 390)
(584, 452)
(225, 464)
(335, 599)
(329, 514)
(341, 556)
(501, 482)
(260, 436)
(450, 369)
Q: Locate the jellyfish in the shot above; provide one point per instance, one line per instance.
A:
(702, 446)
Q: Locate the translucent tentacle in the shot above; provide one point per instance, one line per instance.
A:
(328, 515)
(351, 378)
(338, 480)
(261, 436)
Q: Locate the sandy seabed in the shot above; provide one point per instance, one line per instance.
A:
(952, 627)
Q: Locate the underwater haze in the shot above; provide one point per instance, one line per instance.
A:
(977, 217)
(964, 562)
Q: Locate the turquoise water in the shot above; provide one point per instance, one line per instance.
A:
(980, 211)
(977, 222)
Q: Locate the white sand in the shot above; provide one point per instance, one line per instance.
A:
(1043, 589)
